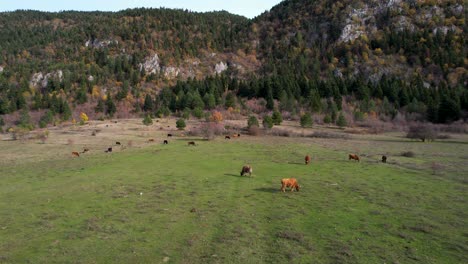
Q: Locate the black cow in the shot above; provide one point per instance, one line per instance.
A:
(165, 142)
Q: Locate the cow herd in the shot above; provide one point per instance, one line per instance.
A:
(290, 183)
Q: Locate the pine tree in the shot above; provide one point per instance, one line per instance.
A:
(277, 118)
(180, 124)
(147, 120)
(306, 120)
(110, 106)
(267, 122)
(252, 121)
(341, 122)
(148, 105)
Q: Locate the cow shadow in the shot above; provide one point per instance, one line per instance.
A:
(267, 190)
(296, 163)
(234, 175)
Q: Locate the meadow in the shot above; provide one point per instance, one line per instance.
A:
(154, 203)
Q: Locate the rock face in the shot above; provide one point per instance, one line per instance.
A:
(100, 43)
(151, 65)
(220, 67)
(41, 79)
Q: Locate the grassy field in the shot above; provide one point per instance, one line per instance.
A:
(154, 203)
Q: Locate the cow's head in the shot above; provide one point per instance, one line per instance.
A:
(298, 187)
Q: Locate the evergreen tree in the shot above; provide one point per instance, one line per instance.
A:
(99, 107)
(180, 124)
(277, 118)
(230, 100)
(253, 121)
(66, 111)
(110, 106)
(148, 105)
(341, 122)
(147, 121)
(306, 120)
(267, 122)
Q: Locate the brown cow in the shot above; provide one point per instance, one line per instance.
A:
(291, 183)
(246, 169)
(151, 140)
(353, 157)
(75, 154)
(384, 159)
(85, 150)
(307, 160)
(191, 143)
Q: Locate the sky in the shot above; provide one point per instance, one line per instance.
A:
(247, 8)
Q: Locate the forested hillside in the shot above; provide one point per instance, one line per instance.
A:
(373, 58)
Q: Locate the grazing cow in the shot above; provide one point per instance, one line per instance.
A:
(384, 159)
(75, 154)
(238, 135)
(307, 160)
(85, 150)
(246, 169)
(169, 135)
(191, 143)
(234, 135)
(151, 140)
(108, 150)
(117, 143)
(291, 183)
(353, 157)
(227, 137)
(165, 142)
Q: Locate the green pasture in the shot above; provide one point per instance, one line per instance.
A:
(183, 204)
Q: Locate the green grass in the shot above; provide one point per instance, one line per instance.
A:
(195, 207)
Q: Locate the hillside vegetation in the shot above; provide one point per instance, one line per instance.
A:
(374, 58)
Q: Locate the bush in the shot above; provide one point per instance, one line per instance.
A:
(198, 113)
(327, 119)
(253, 121)
(180, 124)
(147, 120)
(254, 130)
(422, 131)
(306, 120)
(267, 122)
(277, 118)
(341, 122)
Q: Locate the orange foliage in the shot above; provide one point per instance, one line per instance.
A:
(216, 117)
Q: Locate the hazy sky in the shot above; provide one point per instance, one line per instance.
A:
(248, 8)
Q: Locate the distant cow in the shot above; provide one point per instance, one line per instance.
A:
(246, 169)
(169, 135)
(384, 159)
(75, 154)
(85, 150)
(307, 160)
(353, 157)
(151, 140)
(165, 142)
(291, 183)
(117, 143)
(191, 143)
(108, 150)
(227, 137)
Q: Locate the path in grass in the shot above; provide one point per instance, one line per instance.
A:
(195, 208)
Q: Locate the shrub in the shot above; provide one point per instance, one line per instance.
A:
(277, 118)
(267, 122)
(253, 121)
(341, 122)
(147, 120)
(422, 131)
(180, 124)
(198, 113)
(306, 120)
(254, 130)
(327, 119)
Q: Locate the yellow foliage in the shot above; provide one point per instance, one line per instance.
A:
(84, 117)
(378, 51)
